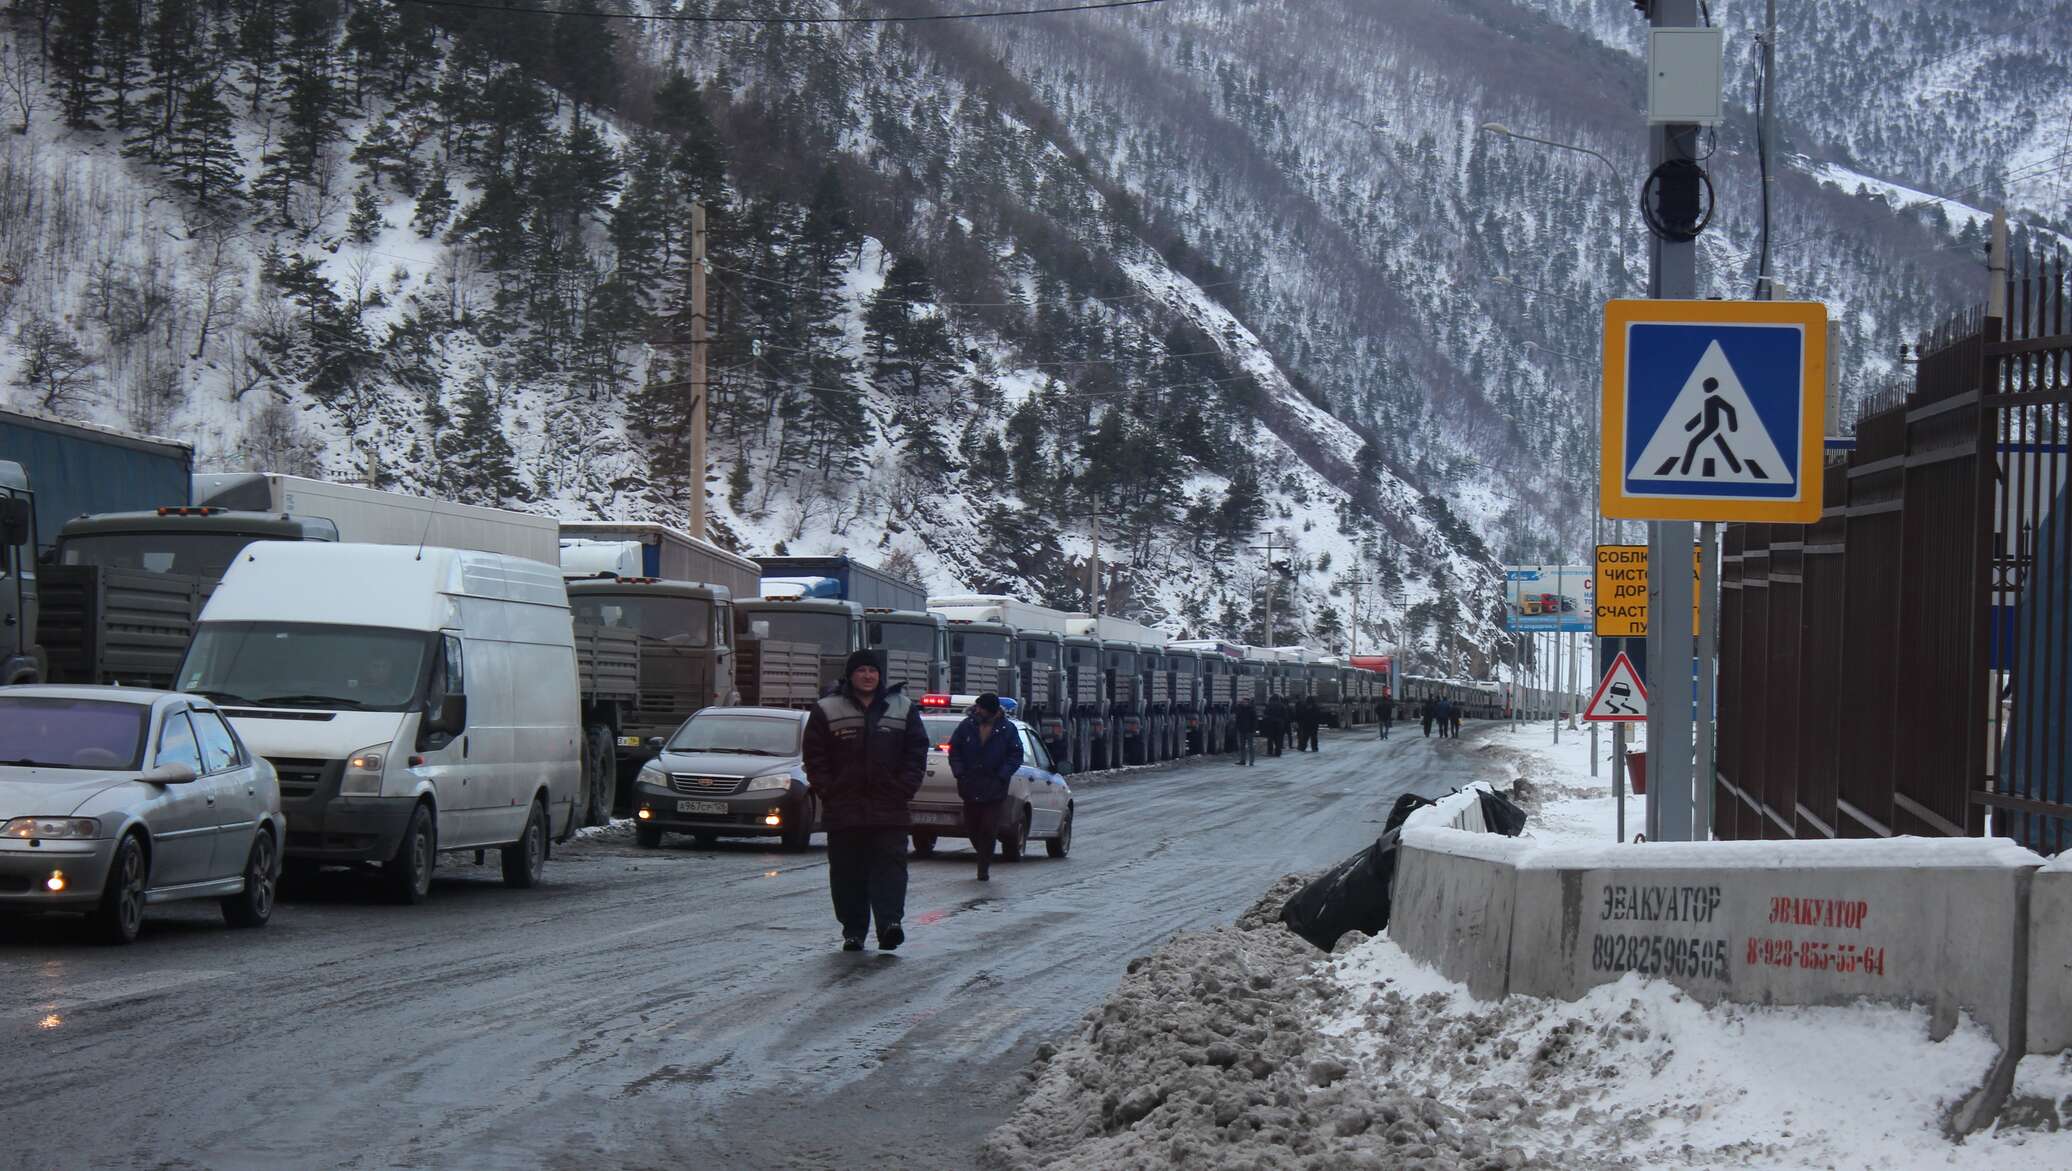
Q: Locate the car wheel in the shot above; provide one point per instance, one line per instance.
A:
(253, 906)
(924, 845)
(646, 836)
(408, 875)
(525, 860)
(799, 834)
(603, 776)
(1061, 845)
(1015, 842)
(121, 913)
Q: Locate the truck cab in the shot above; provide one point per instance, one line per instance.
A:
(832, 628)
(916, 645)
(1087, 681)
(18, 657)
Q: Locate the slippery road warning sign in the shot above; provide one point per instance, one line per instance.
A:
(1621, 697)
(1713, 410)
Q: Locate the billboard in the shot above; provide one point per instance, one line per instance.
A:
(1549, 598)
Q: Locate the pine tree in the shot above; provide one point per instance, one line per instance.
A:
(700, 163)
(74, 48)
(203, 153)
(308, 86)
(365, 222)
(172, 54)
(434, 203)
(122, 33)
(382, 153)
(481, 465)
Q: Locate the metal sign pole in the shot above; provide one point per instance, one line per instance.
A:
(1708, 651)
(1619, 777)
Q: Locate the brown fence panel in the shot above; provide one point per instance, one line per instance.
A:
(1820, 661)
(1786, 631)
(1730, 744)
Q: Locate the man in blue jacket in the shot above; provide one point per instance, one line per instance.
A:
(866, 752)
(985, 752)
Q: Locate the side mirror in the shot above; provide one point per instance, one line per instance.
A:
(450, 717)
(654, 743)
(170, 774)
(14, 520)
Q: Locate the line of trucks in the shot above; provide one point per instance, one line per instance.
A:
(113, 550)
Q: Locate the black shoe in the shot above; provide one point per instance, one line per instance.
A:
(852, 943)
(984, 875)
(890, 938)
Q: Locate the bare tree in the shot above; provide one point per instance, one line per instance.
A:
(18, 65)
(362, 283)
(273, 441)
(54, 369)
(248, 364)
(223, 279)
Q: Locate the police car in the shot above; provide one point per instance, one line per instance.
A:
(1042, 799)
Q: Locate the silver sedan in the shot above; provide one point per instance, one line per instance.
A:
(113, 798)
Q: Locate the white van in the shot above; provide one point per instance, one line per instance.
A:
(411, 701)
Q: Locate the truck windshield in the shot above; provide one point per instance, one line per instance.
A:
(829, 632)
(984, 646)
(1040, 652)
(903, 636)
(267, 664)
(189, 554)
(72, 733)
(749, 735)
(676, 621)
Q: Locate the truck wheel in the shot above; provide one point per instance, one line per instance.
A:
(525, 860)
(601, 772)
(1015, 842)
(408, 875)
(924, 845)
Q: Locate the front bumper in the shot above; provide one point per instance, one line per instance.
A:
(339, 830)
(25, 870)
(746, 814)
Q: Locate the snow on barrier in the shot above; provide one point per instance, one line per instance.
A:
(2050, 956)
(1941, 922)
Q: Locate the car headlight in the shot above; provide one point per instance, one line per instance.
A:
(51, 828)
(770, 782)
(651, 773)
(363, 771)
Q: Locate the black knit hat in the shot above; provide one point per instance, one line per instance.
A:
(867, 657)
(988, 703)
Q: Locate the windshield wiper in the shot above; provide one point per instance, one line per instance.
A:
(25, 762)
(229, 697)
(308, 701)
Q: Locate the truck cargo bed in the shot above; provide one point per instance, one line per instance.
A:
(126, 626)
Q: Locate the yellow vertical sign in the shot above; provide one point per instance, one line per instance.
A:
(1620, 583)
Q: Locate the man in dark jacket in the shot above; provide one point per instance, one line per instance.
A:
(866, 751)
(985, 751)
(1275, 725)
(1309, 717)
(1427, 713)
(1247, 720)
(1385, 714)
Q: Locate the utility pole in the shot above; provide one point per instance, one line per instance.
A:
(1270, 548)
(698, 370)
(1766, 135)
(1673, 275)
(1093, 569)
(1354, 585)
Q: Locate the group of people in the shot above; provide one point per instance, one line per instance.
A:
(1303, 719)
(866, 753)
(1446, 714)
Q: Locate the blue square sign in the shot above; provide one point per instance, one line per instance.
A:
(1713, 410)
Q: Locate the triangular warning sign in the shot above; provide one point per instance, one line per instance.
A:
(1712, 433)
(1621, 697)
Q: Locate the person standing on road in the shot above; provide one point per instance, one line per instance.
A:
(1247, 720)
(1384, 715)
(1309, 716)
(1427, 713)
(985, 752)
(1276, 725)
(1453, 719)
(866, 751)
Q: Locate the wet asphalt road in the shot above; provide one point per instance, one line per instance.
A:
(667, 1009)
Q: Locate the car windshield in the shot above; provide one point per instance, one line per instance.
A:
(266, 664)
(188, 554)
(748, 735)
(676, 621)
(829, 632)
(939, 729)
(72, 733)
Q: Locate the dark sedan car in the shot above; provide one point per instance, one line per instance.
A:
(729, 771)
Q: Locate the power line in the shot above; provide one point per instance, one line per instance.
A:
(692, 18)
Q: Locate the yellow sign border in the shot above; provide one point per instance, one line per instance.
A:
(1811, 316)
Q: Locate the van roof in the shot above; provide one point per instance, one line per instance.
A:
(392, 586)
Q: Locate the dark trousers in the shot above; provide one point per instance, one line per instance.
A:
(867, 875)
(1244, 748)
(1385, 728)
(982, 820)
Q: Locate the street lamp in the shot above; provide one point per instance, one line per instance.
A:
(1503, 131)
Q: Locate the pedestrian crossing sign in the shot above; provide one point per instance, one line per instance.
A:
(1713, 410)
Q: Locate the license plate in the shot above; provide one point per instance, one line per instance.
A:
(937, 819)
(701, 807)
(629, 741)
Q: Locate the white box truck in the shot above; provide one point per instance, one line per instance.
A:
(412, 701)
(384, 518)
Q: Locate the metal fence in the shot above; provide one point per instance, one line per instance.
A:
(1904, 666)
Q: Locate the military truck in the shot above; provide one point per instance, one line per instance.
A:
(1051, 699)
(768, 633)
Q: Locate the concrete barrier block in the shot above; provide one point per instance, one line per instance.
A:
(2050, 957)
(1452, 904)
(1905, 920)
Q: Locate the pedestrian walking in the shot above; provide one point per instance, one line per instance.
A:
(1453, 714)
(866, 751)
(1310, 719)
(1427, 713)
(1385, 715)
(1247, 720)
(1275, 725)
(985, 752)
